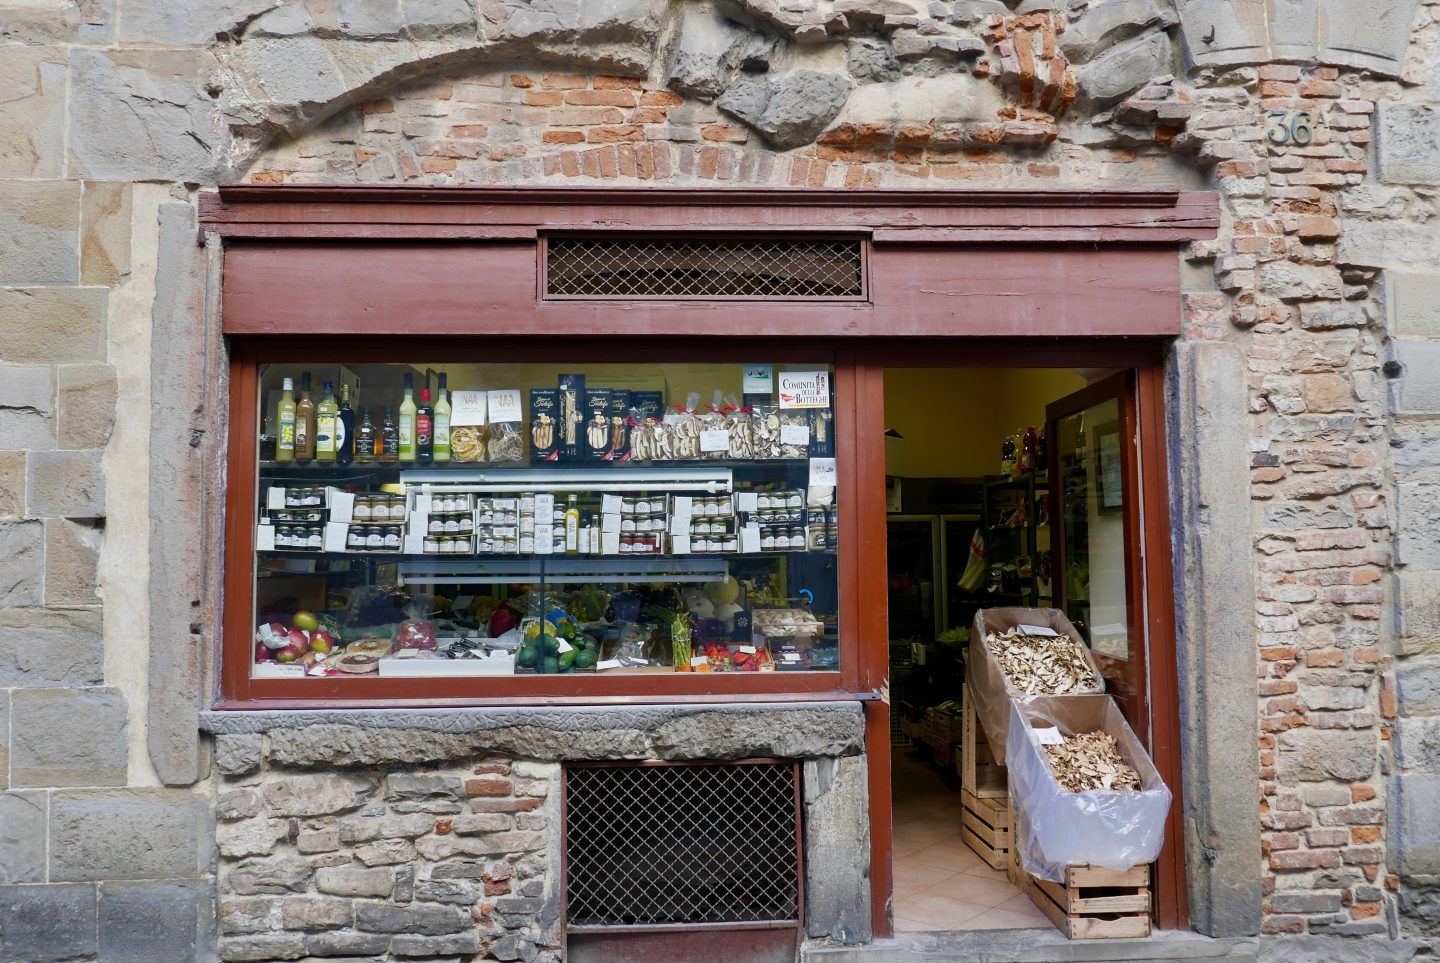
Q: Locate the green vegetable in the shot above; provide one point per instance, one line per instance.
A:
(585, 660)
(567, 660)
(551, 665)
(527, 656)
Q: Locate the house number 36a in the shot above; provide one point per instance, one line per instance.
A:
(1289, 127)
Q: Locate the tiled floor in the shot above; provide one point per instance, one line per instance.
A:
(939, 883)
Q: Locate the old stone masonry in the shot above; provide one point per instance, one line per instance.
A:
(136, 824)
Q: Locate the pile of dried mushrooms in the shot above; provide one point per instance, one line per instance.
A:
(1042, 664)
(1090, 760)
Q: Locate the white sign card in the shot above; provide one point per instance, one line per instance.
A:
(794, 434)
(503, 406)
(1036, 630)
(609, 523)
(747, 501)
(717, 439)
(759, 379)
(750, 539)
(609, 543)
(1046, 736)
(611, 504)
(699, 660)
(607, 664)
(804, 389)
(680, 544)
(265, 538)
(823, 473)
(335, 533)
(467, 408)
(275, 497)
(342, 505)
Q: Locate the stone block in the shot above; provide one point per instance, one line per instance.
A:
(250, 837)
(86, 411)
(434, 19)
(273, 874)
(1417, 390)
(4, 739)
(317, 795)
(22, 563)
(353, 881)
(350, 945)
(32, 126)
(837, 849)
(141, 115)
(105, 231)
(1106, 24)
(71, 553)
(67, 737)
(197, 22)
(1417, 684)
(700, 59)
(143, 922)
(1331, 315)
(1122, 71)
(1412, 304)
(65, 484)
(266, 947)
(51, 647)
(1407, 140)
(1318, 755)
(791, 109)
(12, 484)
(871, 59)
(1389, 243)
(238, 755)
(39, 232)
(1417, 744)
(45, 924)
(58, 21)
(1414, 824)
(1417, 612)
(403, 785)
(22, 837)
(1374, 42)
(1294, 29)
(1418, 525)
(408, 944)
(316, 913)
(52, 325)
(1224, 32)
(1300, 282)
(27, 406)
(416, 918)
(114, 834)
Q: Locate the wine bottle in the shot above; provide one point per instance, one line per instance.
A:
(407, 421)
(389, 438)
(424, 429)
(305, 422)
(442, 424)
(345, 429)
(365, 452)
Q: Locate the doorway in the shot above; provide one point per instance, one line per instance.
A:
(1013, 487)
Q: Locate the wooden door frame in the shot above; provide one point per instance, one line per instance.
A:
(1143, 365)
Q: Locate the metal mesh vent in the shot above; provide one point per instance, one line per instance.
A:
(618, 267)
(657, 844)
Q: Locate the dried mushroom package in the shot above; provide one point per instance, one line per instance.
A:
(683, 430)
(1037, 665)
(1119, 827)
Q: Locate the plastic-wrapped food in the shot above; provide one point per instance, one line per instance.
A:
(989, 686)
(415, 634)
(683, 428)
(505, 443)
(1115, 828)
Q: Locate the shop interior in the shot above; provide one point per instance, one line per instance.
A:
(967, 465)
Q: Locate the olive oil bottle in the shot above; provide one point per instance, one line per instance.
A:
(305, 422)
(327, 418)
(407, 421)
(285, 424)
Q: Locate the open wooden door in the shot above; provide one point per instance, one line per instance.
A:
(1095, 541)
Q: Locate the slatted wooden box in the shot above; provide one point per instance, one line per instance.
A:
(981, 774)
(1096, 903)
(985, 827)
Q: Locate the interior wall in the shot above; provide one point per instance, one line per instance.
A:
(954, 420)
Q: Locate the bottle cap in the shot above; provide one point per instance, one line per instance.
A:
(289, 384)
(409, 381)
(329, 387)
(424, 394)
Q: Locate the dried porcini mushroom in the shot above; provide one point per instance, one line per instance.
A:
(1042, 664)
(1087, 761)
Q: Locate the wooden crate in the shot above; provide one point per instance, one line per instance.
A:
(1096, 903)
(985, 827)
(981, 774)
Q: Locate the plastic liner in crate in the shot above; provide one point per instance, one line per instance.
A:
(988, 685)
(1116, 829)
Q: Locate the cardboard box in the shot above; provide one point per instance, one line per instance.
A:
(545, 428)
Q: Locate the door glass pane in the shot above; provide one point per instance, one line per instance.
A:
(1092, 502)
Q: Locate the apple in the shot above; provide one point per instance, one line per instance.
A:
(306, 620)
(298, 639)
(322, 642)
(272, 635)
(289, 654)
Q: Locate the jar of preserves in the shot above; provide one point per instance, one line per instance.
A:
(355, 539)
(431, 544)
(392, 539)
(373, 539)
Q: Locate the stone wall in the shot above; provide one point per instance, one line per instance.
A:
(1321, 286)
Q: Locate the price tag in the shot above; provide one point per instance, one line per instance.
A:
(467, 408)
(317, 669)
(823, 473)
(1046, 736)
(608, 664)
(408, 654)
(794, 434)
(275, 497)
(282, 671)
(503, 405)
(611, 504)
(759, 379)
(699, 660)
(748, 649)
(789, 656)
(563, 646)
(1036, 630)
(717, 439)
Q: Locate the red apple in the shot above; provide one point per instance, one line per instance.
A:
(272, 635)
(306, 620)
(322, 642)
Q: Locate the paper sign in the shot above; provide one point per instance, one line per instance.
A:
(789, 656)
(716, 439)
(545, 506)
(747, 502)
(680, 544)
(1047, 736)
(264, 538)
(609, 543)
(759, 379)
(342, 505)
(292, 671)
(804, 389)
(750, 538)
(415, 544)
(823, 473)
(1036, 630)
(609, 523)
(503, 405)
(748, 649)
(468, 408)
(611, 504)
(700, 660)
(794, 434)
(275, 497)
(563, 646)
(335, 533)
(608, 664)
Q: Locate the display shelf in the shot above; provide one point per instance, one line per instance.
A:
(317, 471)
(401, 556)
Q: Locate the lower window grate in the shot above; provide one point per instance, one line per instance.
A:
(682, 843)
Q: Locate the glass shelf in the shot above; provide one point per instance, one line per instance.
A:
(318, 471)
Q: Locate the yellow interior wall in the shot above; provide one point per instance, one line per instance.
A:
(954, 419)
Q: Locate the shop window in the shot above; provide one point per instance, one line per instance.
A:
(681, 843)
(429, 519)
(780, 268)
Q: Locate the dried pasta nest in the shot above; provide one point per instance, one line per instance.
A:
(1087, 761)
(1042, 664)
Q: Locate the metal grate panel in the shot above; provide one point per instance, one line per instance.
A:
(782, 268)
(668, 844)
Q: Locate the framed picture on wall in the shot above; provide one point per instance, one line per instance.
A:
(1107, 467)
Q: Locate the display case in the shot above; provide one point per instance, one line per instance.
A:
(481, 520)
